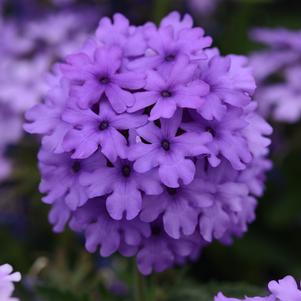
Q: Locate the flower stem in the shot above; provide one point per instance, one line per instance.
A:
(139, 286)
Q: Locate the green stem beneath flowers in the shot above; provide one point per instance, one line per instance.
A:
(139, 286)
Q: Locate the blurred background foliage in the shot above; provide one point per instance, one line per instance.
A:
(57, 268)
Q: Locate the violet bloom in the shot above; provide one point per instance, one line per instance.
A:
(280, 100)
(203, 7)
(173, 39)
(160, 251)
(10, 126)
(124, 236)
(124, 186)
(152, 137)
(7, 279)
(102, 75)
(171, 91)
(58, 169)
(227, 141)
(231, 208)
(163, 148)
(46, 118)
(91, 130)
(120, 33)
(27, 50)
(180, 208)
(282, 290)
(230, 83)
(59, 215)
(39, 42)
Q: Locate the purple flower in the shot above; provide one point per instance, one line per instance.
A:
(227, 139)
(230, 200)
(285, 289)
(58, 169)
(230, 83)
(124, 186)
(46, 118)
(7, 279)
(37, 43)
(163, 148)
(119, 33)
(282, 290)
(91, 130)
(151, 137)
(278, 38)
(10, 126)
(59, 215)
(27, 51)
(180, 208)
(160, 251)
(173, 39)
(256, 132)
(102, 75)
(171, 91)
(204, 7)
(124, 236)
(281, 100)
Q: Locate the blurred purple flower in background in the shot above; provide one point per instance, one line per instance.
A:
(28, 48)
(7, 279)
(277, 70)
(151, 136)
(285, 289)
(203, 7)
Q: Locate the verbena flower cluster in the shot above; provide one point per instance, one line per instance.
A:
(7, 279)
(27, 50)
(151, 144)
(277, 70)
(285, 289)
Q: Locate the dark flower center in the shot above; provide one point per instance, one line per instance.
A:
(170, 58)
(76, 166)
(104, 80)
(166, 94)
(171, 191)
(210, 130)
(103, 125)
(156, 230)
(165, 144)
(41, 45)
(126, 171)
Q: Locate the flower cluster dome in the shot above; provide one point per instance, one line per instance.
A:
(151, 136)
(7, 279)
(285, 289)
